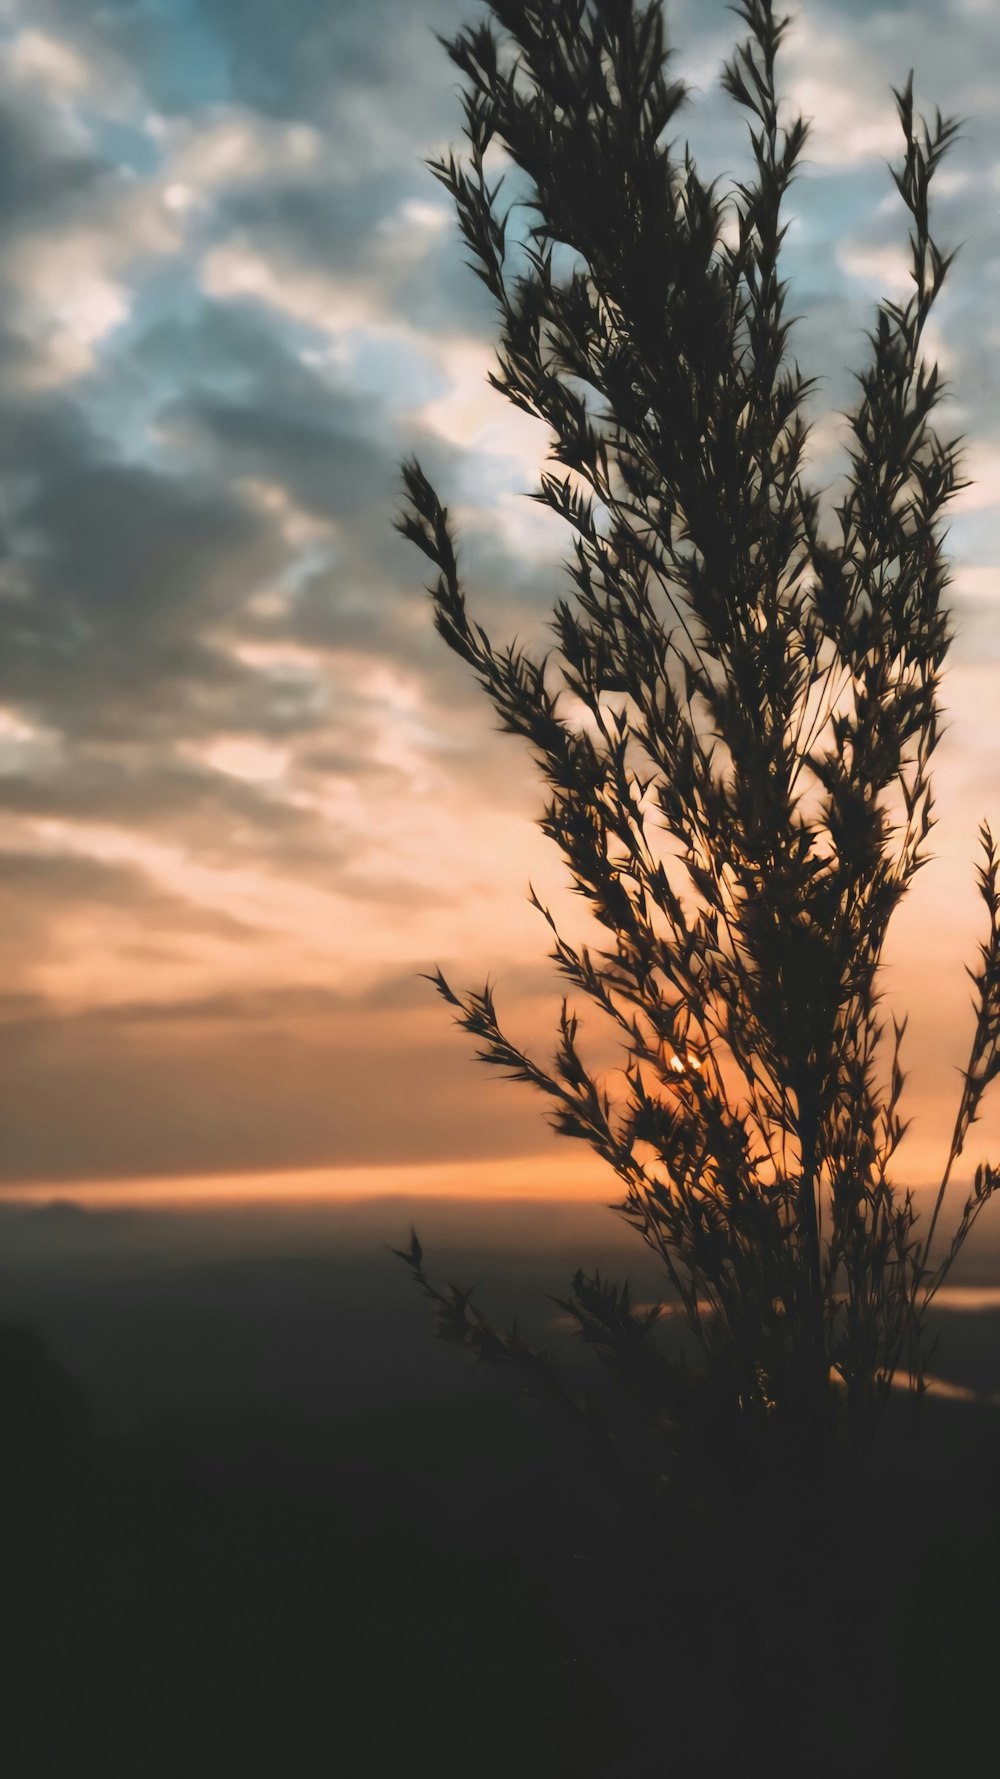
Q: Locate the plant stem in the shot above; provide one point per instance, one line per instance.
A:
(808, 1129)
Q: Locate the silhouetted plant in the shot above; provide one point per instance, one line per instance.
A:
(735, 726)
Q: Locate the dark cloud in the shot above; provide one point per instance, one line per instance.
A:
(317, 449)
(297, 61)
(114, 577)
(251, 408)
(319, 221)
(34, 884)
(399, 993)
(120, 576)
(299, 65)
(221, 815)
(352, 228)
(39, 175)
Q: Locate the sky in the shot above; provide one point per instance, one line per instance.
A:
(246, 794)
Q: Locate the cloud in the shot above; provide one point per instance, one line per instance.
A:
(124, 573)
(49, 64)
(232, 148)
(281, 1079)
(842, 95)
(78, 224)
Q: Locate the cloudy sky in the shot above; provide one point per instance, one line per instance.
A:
(245, 793)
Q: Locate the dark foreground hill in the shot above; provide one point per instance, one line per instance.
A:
(258, 1525)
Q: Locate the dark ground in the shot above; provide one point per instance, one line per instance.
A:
(259, 1525)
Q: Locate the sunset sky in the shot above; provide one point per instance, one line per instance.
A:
(246, 794)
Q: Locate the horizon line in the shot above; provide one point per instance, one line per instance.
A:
(535, 1177)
